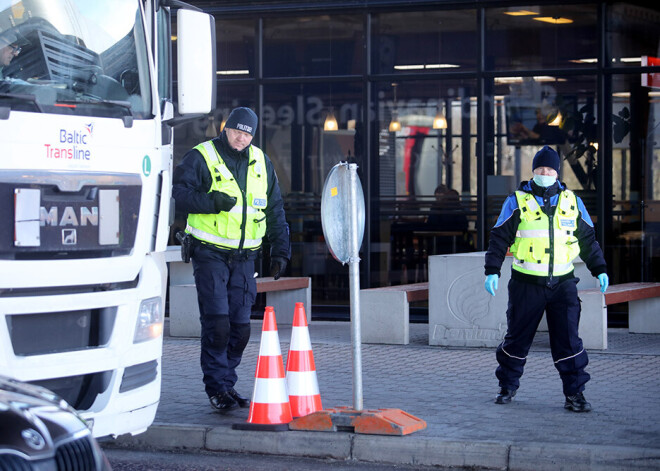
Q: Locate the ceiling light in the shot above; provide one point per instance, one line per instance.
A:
(521, 13)
(409, 67)
(439, 122)
(395, 124)
(442, 66)
(232, 72)
(538, 78)
(330, 123)
(591, 60)
(427, 66)
(554, 20)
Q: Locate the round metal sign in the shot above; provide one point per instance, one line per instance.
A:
(336, 206)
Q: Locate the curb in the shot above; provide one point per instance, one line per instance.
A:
(407, 450)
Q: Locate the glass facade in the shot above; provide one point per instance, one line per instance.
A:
(443, 107)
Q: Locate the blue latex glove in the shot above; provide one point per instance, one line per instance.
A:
(491, 283)
(604, 282)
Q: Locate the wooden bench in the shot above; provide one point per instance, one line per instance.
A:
(385, 312)
(282, 294)
(643, 307)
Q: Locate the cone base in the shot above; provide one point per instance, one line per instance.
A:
(345, 419)
(261, 427)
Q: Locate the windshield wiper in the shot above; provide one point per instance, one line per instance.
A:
(22, 97)
(126, 105)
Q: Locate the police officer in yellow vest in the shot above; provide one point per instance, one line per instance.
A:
(546, 226)
(231, 193)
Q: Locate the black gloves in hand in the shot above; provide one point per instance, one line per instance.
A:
(277, 267)
(222, 201)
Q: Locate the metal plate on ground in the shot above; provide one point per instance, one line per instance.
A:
(336, 205)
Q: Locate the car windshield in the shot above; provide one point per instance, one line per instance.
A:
(74, 57)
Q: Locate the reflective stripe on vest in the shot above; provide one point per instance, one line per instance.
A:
(531, 249)
(218, 240)
(245, 224)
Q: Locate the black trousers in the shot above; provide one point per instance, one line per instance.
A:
(226, 291)
(527, 302)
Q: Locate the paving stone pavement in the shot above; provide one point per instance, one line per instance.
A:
(452, 389)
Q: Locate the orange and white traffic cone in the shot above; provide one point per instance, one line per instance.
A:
(270, 408)
(301, 379)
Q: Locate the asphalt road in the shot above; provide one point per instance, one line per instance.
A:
(131, 460)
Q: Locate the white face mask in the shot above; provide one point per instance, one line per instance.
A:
(544, 180)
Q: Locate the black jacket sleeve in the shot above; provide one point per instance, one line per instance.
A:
(191, 183)
(277, 229)
(502, 236)
(590, 251)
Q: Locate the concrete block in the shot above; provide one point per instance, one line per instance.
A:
(463, 314)
(644, 316)
(284, 303)
(384, 317)
(181, 273)
(184, 311)
(593, 319)
(184, 308)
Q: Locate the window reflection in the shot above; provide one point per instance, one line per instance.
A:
(541, 36)
(634, 243)
(235, 48)
(313, 45)
(632, 32)
(425, 176)
(530, 113)
(303, 153)
(314, 64)
(398, 39)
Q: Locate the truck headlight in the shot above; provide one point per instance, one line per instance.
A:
(149, 323)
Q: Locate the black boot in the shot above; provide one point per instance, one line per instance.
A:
(242, 401)
(577, 403)
(223, 402)
(505, 396)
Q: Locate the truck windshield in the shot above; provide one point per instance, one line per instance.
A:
(74, 57)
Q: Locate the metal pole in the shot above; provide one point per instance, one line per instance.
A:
(354, 280)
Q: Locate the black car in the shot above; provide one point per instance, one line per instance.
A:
(39, 431)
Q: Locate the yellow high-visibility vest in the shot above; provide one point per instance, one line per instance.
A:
(225, 229)
(531, 249)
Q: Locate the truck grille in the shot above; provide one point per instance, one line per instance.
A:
(80, 215)
(79, 391)
(55, 332)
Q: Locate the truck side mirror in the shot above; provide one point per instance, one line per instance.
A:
(196, 62)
